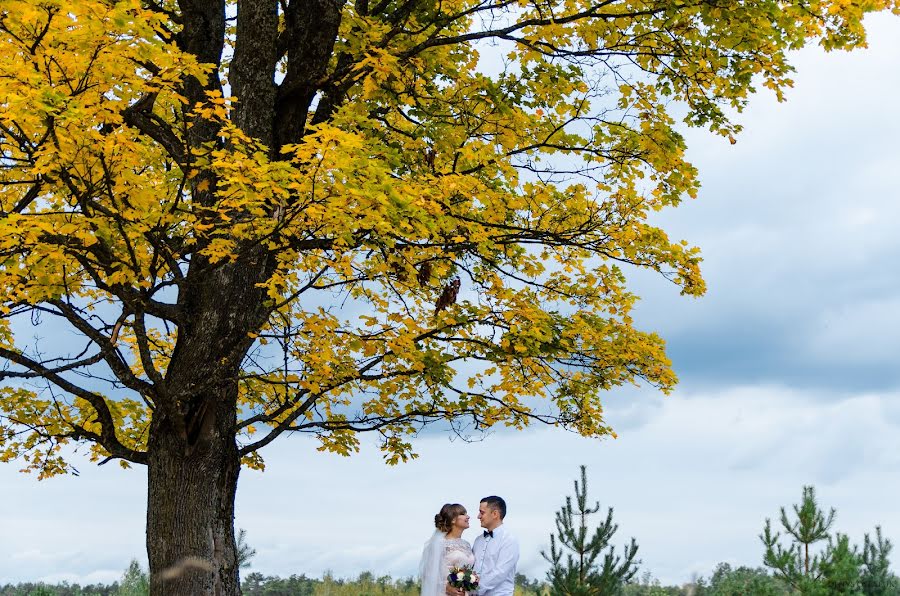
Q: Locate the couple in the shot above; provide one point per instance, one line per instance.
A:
(493, 556)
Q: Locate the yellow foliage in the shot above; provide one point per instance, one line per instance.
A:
(447, 241)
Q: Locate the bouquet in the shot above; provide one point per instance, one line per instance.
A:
(463, 577)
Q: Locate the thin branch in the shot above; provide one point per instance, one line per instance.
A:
(107, 438)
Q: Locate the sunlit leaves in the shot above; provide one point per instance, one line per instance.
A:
(447, 239)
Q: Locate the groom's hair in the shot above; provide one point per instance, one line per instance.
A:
(497, 504)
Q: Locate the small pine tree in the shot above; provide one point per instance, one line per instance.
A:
(794, 564)
(876, 578)
(840, 568)
(580, 574)
(245, 552)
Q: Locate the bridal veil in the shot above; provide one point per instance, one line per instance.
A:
(430, 568)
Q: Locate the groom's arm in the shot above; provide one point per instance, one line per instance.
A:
(507, 558)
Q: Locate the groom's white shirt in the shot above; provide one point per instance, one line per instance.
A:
(495, 562)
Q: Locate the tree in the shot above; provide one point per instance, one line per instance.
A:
(580, 574)
(245, 552)
(651, 590)
(647, 585)
(836, 570)
(526, 585)
(257, 584)
(840, 568)
(876, 578)
(793, 564)
(728, 581)
(135, 582)
(244, 219)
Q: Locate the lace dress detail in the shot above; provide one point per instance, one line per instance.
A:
(452, 553)
(457, 552)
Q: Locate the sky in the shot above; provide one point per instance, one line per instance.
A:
(789, 368)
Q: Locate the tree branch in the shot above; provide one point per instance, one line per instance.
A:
(111, 354)
(107, 438)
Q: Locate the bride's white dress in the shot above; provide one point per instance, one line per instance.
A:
(439, 555)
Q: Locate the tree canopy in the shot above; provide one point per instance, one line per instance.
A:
(417, 184)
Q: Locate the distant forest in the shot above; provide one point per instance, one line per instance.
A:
(801, 554)
(724, 581)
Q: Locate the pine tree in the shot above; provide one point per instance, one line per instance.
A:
(244, 551)
(794, 564)
(876, 578)
(580, 574)
(840, 568)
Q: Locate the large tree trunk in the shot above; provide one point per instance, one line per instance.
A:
(192, 481)
(193, 457)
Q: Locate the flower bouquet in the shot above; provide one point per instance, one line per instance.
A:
(463, 578)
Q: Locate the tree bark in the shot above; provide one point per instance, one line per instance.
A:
(190, 503)
(193, 459)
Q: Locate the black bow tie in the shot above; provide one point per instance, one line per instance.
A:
(488, 533)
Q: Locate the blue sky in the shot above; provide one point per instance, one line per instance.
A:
(789, 367)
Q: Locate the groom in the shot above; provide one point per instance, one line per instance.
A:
(496, 551)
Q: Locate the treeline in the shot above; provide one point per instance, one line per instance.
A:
(724, 581)
(367, 584)
(801, 555)
(136, 583)
(63, 589)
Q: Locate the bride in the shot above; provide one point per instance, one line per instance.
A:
(445, 549)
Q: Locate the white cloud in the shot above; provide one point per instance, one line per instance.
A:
(76, 528)
(693, 483)
(797, 227)
(864, 332)
(102, 576)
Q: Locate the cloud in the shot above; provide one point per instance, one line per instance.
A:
(81, 529)
(693, 482)
(797, 223)
(102, 576)
(851, 333)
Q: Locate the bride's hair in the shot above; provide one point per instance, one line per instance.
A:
(443, 521)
